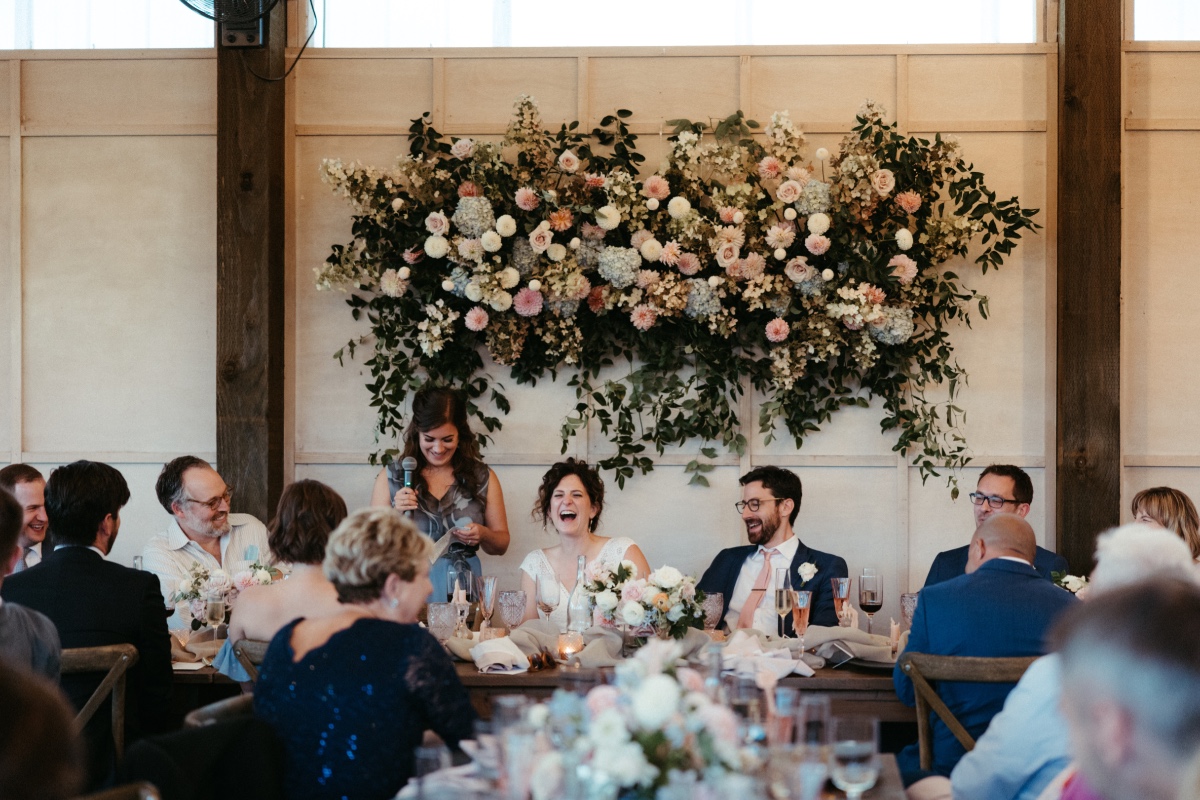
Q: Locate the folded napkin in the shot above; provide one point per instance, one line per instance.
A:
(499, 655)
(867, 646)
(749, 653)
(464, 781)
(198, 646)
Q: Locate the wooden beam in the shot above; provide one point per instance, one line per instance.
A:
(250, 269)
(1089, 275)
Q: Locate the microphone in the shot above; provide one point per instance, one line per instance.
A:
(409, 465)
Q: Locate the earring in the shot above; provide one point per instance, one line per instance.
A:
(394, 603)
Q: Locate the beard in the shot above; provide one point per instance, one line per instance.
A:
(762, 533)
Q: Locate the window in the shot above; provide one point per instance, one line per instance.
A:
(552, 23)
(101, 24)
(1166, 20)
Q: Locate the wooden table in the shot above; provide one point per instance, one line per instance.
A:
(849, 689)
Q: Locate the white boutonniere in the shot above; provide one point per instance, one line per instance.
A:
(806, 571)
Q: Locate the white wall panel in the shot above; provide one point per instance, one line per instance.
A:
(363, 91)
(9, 303)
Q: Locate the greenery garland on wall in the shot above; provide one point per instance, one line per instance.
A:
(819, 282)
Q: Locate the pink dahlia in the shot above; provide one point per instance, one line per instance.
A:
(777, 330)
(469, 189)
(910, 201)
(646, 278)
(770, 168)
(726, 214)
(643, 316)
(670, 254)
(476, 319)
(656, 186)
(639, 238)
(528, 303)
(413, 255)
(904, 269)
(816, 244)
(527, 199)
(798, 174)
(594, 181)
(689, 263)
(591, 231)
(561, 219)
(872, 294)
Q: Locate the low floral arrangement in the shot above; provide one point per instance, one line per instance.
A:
(654, 728)
(740, 263)
(1074, 584)
(666, 601)
(193, 590)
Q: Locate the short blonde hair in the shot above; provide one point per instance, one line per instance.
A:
(367, 547)
(1173, 510)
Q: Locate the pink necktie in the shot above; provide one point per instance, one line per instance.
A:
(746, 616)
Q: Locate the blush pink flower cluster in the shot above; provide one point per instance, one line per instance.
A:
(910, 201)
(528, 303)
(770, 168)
(816, 244)
(643, 317)
(778, 330)
(527, 199)
(689, 264)
(469, 189)
(476, 319)
(656, 186)
(903, 268)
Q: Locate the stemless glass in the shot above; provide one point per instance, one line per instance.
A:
(801, 606)
(870, 594)
(841, 593)
(854, 754)
(547, 594)
(441, 620)
(512, 607)
(783, 596)
(712, 606)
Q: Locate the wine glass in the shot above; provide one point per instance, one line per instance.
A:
(801, 606)
(841, 593)
(547, 594)
(870, 594)
(854, 754)
(485, 590)
(783, 596)
(214, 609)
(462, 602)
(512, 607)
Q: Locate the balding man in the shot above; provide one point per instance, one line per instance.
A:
(1000, 607)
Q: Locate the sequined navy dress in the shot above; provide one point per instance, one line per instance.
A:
(351, 712)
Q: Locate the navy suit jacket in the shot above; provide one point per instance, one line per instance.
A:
(721, 576)
(1003, 609)
(952, 563)
(96, 602)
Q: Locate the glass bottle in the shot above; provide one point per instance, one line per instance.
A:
(579, 607)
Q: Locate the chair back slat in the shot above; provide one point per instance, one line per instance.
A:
(924, 667)
(115, 660)
(229, 708)
(250, 653)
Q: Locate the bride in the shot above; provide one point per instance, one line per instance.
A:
(571, 498)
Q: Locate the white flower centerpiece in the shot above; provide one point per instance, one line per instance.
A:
(194, 590)
(667, 601)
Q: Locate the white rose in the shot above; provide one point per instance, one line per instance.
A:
(678, 207)
(608, 217)
(806, 571)
(508, 277)
(904, 239)
(185, 586)
(633, 614)
(821, 154)
(651, 249)
(652, 204)
(473, 292)
(656, 701)
(541, 239)
(535, 285)
(491, 241)
(556, 252)
(667, 577)
(606, 600)
(403, 273)
(727, 254)
(262, 576)
(818, 223)
(568, 161)
(500, 301)
(827, 275)
(437, 247)
(506, 225)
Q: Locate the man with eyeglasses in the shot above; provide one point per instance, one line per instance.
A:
(745, 576)
(1002, 488)
(203, 530)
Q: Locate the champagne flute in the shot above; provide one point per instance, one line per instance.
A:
(841, 593)
(783, 596)
(801, 606)
(214, 609)
(855, 754)
(485, 589)
(870, 594)
(547, 594)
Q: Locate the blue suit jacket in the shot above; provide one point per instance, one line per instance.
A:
(1003, 609)
(952, 563)
(721, 576)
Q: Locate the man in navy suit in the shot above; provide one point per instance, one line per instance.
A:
(745, 575)
(94, 602)
(1000, 607)
(1002, 488)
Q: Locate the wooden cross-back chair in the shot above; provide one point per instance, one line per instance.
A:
(923, 668)
(114, 660)
(250, 653)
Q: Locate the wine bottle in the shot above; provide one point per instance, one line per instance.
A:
(579, 607)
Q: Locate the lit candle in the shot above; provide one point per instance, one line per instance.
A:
(569, 644)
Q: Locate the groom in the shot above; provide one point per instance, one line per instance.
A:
(746, 575)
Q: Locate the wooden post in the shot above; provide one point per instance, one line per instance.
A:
(250, 273)
(1089, 275)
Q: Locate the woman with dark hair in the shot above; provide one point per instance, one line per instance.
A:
(307, 513)
(453, 493)
(350, 695)
(571, 498)
(1171, 509)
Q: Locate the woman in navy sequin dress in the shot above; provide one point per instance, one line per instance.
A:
(351, 695)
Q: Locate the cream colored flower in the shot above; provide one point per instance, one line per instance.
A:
(437, 247)
(506, 225)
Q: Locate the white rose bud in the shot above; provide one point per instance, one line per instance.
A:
(714, 281)
(491, 241)
(397, 204)
(575, 243)
(818, 223)
(789, 213)
(535, 285)
(556, 252)
(738, 218)
(403, 273)
(827, 275)
(904, 239)
(821, 154)
(780, 254)
(448, 285)
(473, 292)
(506, 225)
(652, 204)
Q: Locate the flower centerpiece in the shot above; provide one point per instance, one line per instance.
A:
(200, 583)
(741, 263)
(654, 728)
(667, 601)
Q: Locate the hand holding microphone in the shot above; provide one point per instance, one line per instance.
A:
(407, 496)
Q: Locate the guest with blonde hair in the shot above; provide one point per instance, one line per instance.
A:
(351, 694)
(1171, 509)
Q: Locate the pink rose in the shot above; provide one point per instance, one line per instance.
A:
(884, 181)
(643, 317)
(788, 191)
(816, 244)
(910, 201)
(527, 303)
(632, 592)
(777, 330)
(476, 319)
(727, 254)
(437, 224)
(904, 269)
(689, 263)
(602, 698)
(769, 168)
(527, 199)
(798, 269)
(197, 607)
(462, 149)
(469, 189)
(541, 239)
(656, 186)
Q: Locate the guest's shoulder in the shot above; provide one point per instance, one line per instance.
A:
(952, 555)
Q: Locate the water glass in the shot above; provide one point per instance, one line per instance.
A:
(713, 605)
(854, 754)
(812, 720)
(487, 749)
(579, 680)
(812, 769)
(512, 607)
(442, 619)
(519, 745)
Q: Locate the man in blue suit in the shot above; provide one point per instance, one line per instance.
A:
(1002, 488)
(1000, 607)
(745, 575)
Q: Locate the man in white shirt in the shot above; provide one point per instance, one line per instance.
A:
(28, 486)
(203, 530)
(746, 575)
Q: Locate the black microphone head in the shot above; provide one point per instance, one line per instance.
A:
(408, 464)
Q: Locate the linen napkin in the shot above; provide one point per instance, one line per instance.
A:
(464, 781)
(867, 646)
(499, 655)
(747, 654)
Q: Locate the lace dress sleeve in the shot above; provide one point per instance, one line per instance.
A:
(613, 551)
(438, 692)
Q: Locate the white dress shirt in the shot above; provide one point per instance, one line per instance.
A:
(32, 556)
(765, 618)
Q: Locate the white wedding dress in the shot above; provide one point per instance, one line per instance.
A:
(536, 564)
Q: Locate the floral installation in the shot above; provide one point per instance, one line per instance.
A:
(740, 264)
(655, 727)
(807, 571)
(1075, 584)
(666, 601)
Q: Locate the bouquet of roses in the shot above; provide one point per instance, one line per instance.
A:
(667, 600)
(193, 590)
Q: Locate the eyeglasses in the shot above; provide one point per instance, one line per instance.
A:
(755, 504)
(993, 500)
(215, 503)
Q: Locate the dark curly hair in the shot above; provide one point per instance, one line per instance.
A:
(593, 484)
(307, 513)
(433, 407)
